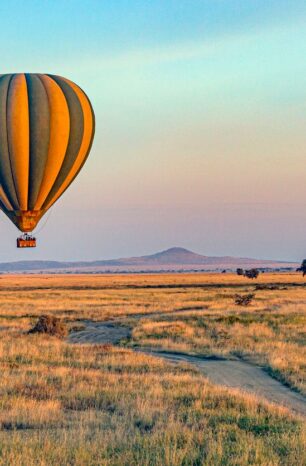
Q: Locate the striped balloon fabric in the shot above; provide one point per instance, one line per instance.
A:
(46, 132)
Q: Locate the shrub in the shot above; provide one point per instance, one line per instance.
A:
(244, 300)
(50, 325)
(269, 287)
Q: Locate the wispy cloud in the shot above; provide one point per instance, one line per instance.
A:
(194, 50)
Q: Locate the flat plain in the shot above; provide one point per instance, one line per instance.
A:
(102, 404)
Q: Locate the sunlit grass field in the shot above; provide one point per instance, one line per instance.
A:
(100, 405)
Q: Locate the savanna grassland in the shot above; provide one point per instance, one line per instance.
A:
(64, 403)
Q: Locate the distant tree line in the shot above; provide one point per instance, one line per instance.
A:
(253, 273)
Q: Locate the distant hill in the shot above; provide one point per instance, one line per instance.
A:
(176, 259)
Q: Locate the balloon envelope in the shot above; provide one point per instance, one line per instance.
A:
(46, 132)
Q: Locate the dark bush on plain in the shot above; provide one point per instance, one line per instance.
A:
(50, 325)
(244, 300)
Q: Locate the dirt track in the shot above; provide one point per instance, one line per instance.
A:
(229, 373)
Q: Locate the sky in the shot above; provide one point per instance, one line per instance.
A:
(200, 125)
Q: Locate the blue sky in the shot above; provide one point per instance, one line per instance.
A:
(201, 115)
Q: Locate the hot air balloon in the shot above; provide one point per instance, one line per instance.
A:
(46, 132)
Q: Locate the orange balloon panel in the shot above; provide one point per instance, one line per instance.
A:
(46, 132)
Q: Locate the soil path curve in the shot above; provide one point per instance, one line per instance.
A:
(229, 373)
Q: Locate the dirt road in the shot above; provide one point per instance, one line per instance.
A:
(229, 373)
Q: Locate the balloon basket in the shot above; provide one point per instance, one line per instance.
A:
(26, 241)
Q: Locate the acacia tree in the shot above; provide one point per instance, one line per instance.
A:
(302, 268)
(252, 273)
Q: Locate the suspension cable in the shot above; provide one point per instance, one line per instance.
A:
(44, 224)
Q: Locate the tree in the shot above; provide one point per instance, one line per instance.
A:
(302, 268)
(240, 271)
(253, 273)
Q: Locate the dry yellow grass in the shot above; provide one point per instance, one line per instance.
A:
(86, 405)
(64, 404)
(271, 330)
